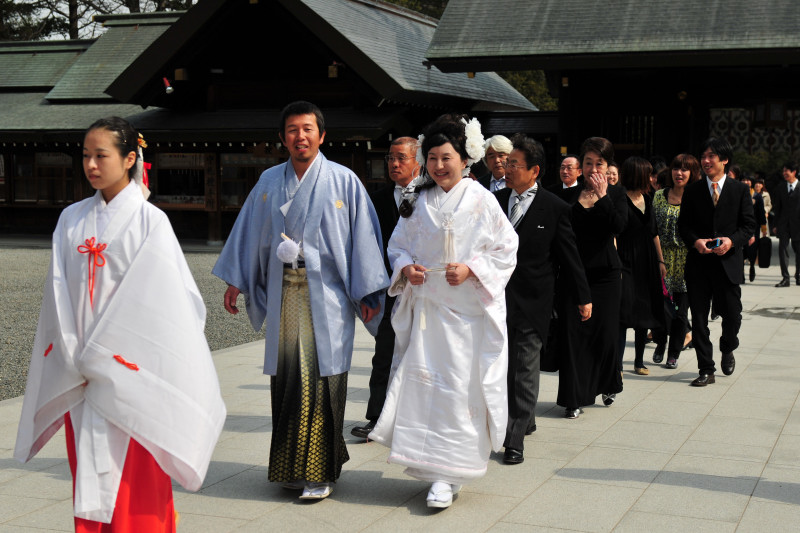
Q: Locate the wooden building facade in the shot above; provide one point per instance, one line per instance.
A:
(206, 87)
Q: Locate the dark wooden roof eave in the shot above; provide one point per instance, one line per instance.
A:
(133, 85)
(664, 59)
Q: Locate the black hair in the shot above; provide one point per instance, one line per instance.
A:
(126, 138)
(534, 153)
(658, 163)
(446, 129)
(718, 146)
(301, 107)
(790, 165)
(600, 145)
(684, 162)
(634, 174)
(737, 171)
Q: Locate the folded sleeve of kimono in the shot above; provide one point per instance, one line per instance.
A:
(54, 384)
(149, 368)
(243, 260)
(496, 257)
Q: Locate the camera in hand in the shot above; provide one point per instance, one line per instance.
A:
(713, 243)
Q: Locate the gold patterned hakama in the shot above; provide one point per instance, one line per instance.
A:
(307, 409)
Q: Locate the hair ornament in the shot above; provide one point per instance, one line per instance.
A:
(420, 158)
(475, 141)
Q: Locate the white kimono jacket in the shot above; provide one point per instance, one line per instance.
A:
(125, 355)
(447, 406)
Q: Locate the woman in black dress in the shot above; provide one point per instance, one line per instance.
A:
(588, 363)
(643, 267)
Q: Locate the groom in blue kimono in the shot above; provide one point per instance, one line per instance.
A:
(309, 300)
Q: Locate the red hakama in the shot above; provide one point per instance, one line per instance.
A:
(144, 501)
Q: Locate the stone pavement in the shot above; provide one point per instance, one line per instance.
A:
(664, 457)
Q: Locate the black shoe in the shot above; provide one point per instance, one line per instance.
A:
(783, 283)
(672, 363)
(714, 316)
(728, 363)
(658, 353)
(531, 429)
(688, 346)
(363, 432)
(703, 380)
(608, 399)
(752, 273)
(797, 280)
(513, 456)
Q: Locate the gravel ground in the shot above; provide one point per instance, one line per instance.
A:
(23, 273)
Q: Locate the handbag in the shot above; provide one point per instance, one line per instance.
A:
(670, 309)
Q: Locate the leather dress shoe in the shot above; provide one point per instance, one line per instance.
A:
(783, 283)
(513, 456)
(531, 429)
(703, 380)
(658, 353)
(728, 363)
(363, 431)
(752, 273)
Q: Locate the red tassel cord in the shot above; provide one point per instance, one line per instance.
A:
(96, 259)
(124, 362)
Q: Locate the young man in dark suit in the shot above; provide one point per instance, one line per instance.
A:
(401, 162)
(716, 222)
(786, 205)
(546, 248)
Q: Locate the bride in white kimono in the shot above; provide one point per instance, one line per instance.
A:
(446, 407)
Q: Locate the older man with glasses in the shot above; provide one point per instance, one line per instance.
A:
(497, 150)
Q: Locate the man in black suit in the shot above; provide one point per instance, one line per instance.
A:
(403, 169)
(546, 248)
(716, 222)
(568, 173)
(786, 205)
(497, 149)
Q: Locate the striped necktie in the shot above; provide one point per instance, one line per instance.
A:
(715, 193)
(516, 210)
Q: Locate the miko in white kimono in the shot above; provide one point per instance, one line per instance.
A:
(446, 407)
(120, 354)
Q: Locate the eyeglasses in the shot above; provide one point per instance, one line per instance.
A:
(513, 166)
(399, 158)
(567, 167)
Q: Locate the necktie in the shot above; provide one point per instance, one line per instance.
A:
(791, 189)
(516, 211)
(715, 194)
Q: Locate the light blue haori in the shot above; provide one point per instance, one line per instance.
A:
(335, 220)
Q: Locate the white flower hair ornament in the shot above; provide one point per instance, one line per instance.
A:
(420, 157)
(289, 251)
(474, 145)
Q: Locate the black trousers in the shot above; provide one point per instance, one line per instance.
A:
(381, 363)
(676, 327)
(783, 255)
(704, 282)
(524, 355)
